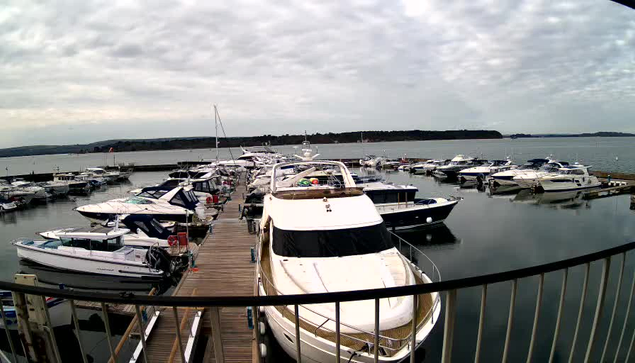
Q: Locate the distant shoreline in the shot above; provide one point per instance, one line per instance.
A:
(181, 143)
(595, 134)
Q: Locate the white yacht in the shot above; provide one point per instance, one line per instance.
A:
(143, 232)
(506, 178)
(101, 175)
(75, 186)
(451, 170)
(95, 251)
(178, 205)
(483, 171)
(7, 205)
(39, 194)
(529, 178)
(426, 167)
(56, 189)
(574, 177)
(371, 161)
(318, 238)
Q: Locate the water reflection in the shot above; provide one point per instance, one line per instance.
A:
(75, 280)
(438, 234)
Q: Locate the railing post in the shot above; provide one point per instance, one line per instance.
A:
(598, 307)
(536, 317)
(481, 323)
(142, 331)
(556, 332)
(413, 337)
(217, 337)
(178, 332)
(50, 332)
(585, 287)
(510, 320)
(337, 332)
(79, 334)
(298, 341)
(615, 304)
(628, 312)
(448, 329)
(104, 311)
(7, 331)
(376, 358)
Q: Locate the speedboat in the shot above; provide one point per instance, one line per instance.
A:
(400, 209)
(426, 167)
(96, 251)
(39, 194)
(319, 238)
(574, 177)
(178, 205)
(371, 161)
(7, 205)
(204, 189)
(143, 232)
(529, 178)
(483, 171)
(452, 169)
(56, 189)
(506, 178)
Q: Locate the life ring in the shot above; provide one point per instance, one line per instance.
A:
(209, 200)
(172, 240)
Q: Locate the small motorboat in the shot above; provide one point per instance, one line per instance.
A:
(99, 252)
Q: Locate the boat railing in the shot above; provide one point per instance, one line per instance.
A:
(602, 331)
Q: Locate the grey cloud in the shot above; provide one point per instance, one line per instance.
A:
(519, 66)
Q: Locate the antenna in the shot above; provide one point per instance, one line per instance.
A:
(216, 130)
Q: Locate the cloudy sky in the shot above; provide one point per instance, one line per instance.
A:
(81, 71)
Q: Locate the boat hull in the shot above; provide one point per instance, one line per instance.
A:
(98, 217)
(415, 215)
(318, 350)
(86, 264)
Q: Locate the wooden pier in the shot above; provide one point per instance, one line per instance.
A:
(223, 268)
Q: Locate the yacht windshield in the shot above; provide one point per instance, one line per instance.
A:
(331, 243)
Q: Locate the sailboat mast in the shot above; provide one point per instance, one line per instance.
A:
(216, 128)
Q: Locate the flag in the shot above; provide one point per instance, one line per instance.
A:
(111, 150)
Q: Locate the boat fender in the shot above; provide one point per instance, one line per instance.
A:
(429, 220)
(262, 328)
(263, 350)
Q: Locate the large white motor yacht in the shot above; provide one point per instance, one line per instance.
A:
(327, 237)
(574, 177)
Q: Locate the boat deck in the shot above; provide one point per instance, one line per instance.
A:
(223, 268)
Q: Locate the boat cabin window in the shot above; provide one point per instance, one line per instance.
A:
(108, 245)
(153, 193)
(135, 200)
(331, 243)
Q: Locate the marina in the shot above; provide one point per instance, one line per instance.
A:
(225, 262)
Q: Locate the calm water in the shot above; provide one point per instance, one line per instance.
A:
(484, 234)
(599, 152)
(26, 223)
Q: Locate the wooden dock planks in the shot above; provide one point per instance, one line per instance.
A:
(224, 269)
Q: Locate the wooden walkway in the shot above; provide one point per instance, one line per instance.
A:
(224, 269)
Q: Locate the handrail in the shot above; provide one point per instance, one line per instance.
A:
(241, 301)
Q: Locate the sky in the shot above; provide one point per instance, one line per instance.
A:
(83, 71)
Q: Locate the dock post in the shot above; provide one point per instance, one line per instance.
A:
(34, 324)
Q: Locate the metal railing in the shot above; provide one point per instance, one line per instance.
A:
(268, 285)
(451, 289)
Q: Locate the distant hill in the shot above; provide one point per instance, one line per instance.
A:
(595, 134)
(208, 142)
